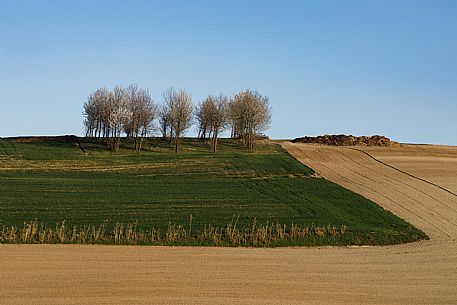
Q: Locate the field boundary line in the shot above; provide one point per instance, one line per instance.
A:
(402, 182)
(406, 173)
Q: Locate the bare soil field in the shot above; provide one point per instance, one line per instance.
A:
(437, 164)
(416, 273)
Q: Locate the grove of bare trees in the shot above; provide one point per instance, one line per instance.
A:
(109, 114)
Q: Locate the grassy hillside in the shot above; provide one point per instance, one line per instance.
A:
(52, 180)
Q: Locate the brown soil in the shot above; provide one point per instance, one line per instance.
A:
(437, 164)
(416, 273)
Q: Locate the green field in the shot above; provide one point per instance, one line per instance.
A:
(51, 180)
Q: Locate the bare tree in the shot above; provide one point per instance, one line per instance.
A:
(166, 109)
(96, 113)
(140, 112)
(249, 114)
(90, 115)
(163, 120)
(179, 105)
(219, 117)
(131, 124)
(203, 113)
(117, 115)
(235, 117)
(212, 118)
(147, 113)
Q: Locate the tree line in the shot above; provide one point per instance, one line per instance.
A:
(110, 114)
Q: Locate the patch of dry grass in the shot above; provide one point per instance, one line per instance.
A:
(269, 234)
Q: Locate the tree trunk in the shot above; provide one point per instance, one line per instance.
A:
(140, 144)
(215, 142)
(171, 134)
(164, 131)
(136, 141)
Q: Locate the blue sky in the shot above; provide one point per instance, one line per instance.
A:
(358, 67)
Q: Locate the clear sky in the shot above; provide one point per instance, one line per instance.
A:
(356, 67)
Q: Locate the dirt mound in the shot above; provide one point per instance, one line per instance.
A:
(41, 139)
(345, 140)
(46, 139)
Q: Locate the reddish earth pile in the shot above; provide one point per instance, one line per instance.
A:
(344, 140)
